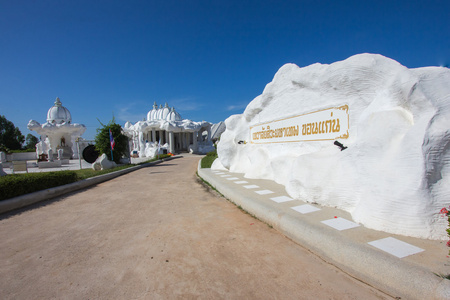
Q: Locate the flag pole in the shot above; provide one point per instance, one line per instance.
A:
(111, 143)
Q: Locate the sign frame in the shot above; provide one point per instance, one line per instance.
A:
(323, 125)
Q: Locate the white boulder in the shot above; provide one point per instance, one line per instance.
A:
(395, 173)
(102, 163)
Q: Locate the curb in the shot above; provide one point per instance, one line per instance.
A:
(380, 270)
(32, 198)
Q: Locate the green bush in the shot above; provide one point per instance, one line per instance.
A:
(208, 159)
(19, 184)
(102, 141)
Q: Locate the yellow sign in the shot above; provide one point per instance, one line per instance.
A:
(328, 124)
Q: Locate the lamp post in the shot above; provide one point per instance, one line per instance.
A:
(79, 154)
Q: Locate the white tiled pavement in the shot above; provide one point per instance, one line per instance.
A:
(390, 245)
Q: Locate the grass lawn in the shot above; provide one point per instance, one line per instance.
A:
(208, 159)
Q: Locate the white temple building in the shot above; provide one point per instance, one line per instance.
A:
(58, 133)
(217, 130)
(164, 129)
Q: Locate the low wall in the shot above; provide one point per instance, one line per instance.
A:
(21, 156)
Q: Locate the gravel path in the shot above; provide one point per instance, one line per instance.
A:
(157, 233)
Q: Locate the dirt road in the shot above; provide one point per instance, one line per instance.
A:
(157, 233)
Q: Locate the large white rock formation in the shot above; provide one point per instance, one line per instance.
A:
(395, 174)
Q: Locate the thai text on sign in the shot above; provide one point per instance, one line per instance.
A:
(327, 124)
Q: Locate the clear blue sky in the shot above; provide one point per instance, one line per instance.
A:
(209, 59)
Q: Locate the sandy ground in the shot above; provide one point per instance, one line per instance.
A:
(157, 233)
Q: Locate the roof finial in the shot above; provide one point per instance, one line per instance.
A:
(57, 102)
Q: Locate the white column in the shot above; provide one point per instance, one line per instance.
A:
(171, 142)
(141, 144)
(195, 133)
(209, 134)
(153, 135)
(167, 137)
(183, 135)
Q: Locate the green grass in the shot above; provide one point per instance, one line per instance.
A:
(443, 276)
(208, 160)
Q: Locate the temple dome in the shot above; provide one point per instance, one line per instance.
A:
(58, 114)
(163, 112)
(173, 116)
(152, 114)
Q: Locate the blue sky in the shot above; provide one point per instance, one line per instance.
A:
(209, 59)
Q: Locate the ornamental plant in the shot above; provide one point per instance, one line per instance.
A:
(445, 212)
(103, 142)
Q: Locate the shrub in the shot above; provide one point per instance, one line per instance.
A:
(208, 160)
(102, 141)
(10, 135)
(18, 184)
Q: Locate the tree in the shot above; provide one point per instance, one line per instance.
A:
(31, 141)
(10, 136)
(103, 144)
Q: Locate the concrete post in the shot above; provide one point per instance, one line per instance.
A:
(153, 135)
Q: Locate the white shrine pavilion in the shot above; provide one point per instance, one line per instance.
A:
(164, 129)
(58, 132)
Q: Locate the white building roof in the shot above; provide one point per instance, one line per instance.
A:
(58, 114)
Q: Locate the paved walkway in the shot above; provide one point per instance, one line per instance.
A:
(402, 266)
(156, 233)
